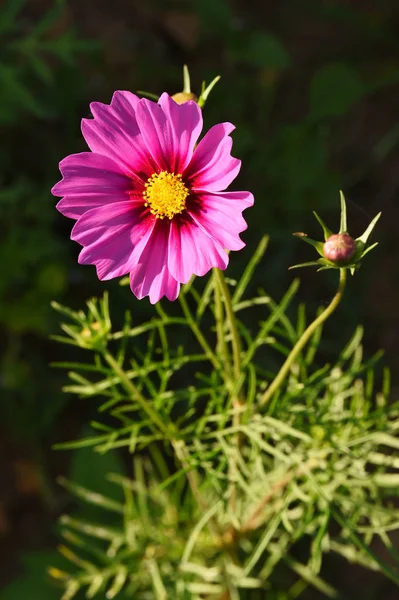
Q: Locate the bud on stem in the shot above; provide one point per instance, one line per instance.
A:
(339, 248)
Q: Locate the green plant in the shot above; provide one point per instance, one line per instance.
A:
(223, 487)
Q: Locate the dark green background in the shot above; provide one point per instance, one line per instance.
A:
(312, 87)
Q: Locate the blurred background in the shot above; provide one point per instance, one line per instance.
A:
(313, 88)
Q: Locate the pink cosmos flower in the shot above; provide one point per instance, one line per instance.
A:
(148, 201)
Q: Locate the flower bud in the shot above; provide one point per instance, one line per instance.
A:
(339, 248)
(182, 97)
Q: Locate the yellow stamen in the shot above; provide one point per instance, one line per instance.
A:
(165, 194)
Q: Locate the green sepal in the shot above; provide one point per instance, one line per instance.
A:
(149, 95)
(361, 251)
(343, 228)
(365, 236)
(313, 263)
(322, 263)
(206, 90)
(327, 264)
(327, 232)
(367, 250)
(308, 240)
(186, 80)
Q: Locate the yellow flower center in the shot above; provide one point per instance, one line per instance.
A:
(165, 194)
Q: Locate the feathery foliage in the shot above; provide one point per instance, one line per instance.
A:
(223, 487)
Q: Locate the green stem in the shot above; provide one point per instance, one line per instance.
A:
(303, 340)
(235, 336)
(136, 394)
(220, 283)
(219, 316)
(197, 332)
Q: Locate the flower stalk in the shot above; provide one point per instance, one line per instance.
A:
(232, 322)
(304, 339)
(222, 348)
(198, 334)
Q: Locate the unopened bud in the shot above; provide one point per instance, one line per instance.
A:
(339, 248)
(182, 97)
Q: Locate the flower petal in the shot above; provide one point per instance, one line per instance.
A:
(192, 251)
(114, 133)
(212, 168)
(185, 123)
(144, 283)
(157, 134)
(108, 234)
(220, 215)
(151, 276)
(124, 104)
(89, 180)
